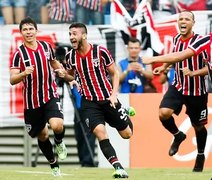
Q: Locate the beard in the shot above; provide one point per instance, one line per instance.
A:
(79, 44)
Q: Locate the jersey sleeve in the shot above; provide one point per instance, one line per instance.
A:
(15, 61)
(107, 57)
(201, 44)
(52, 54)
(68, 61)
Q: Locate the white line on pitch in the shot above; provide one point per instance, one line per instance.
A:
(41, 172)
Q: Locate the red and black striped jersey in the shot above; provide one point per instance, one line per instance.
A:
(91, 71)
(40, 86)
(204, 43)
(189, 86)
(61, 10)
(91, 4)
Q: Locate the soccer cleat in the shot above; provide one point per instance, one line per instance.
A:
(61, 150)
(120, 173)
(179, 138)
(199, 163)
(56, 171)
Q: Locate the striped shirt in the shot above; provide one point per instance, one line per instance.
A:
(189, 86)
(91, 72)
(38, 87)
(203, 43)
(91, 4)
(61, 10)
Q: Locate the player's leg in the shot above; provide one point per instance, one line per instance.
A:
(198, 113)
(109, 152)
(47, 150)
(172, 103)
(201, 137)
(54, 115)
(36, 127)
(119, 119)
(93, 115)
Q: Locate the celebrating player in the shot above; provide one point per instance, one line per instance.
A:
(93, 64)
(31, 64)
(188, 87)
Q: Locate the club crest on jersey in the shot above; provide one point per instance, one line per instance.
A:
(96, 62)
(47, 54)
(28, 127)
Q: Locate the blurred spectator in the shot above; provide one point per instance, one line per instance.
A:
(62, 11)
(1, 18)
(13, 10)
(90, 12)
(133, 73)
(38, 10)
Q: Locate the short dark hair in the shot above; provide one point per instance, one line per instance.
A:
(79, 25)
(134, 40)
(193, 17)
(27, 20)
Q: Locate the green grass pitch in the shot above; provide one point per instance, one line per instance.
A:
(78, 173)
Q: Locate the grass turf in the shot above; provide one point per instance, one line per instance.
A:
(77, 173)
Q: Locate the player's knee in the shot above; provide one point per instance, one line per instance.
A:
(164, 114)
(126, 134)
(57, 126)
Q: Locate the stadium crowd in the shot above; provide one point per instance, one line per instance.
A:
(88, 12)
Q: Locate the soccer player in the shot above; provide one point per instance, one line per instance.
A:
(93, 64)
(31, 64)
(188, 87)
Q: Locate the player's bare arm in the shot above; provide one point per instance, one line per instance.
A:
(161, 69)
(55, 64)
(16, 76)
(69, 75)
(169, 58)
(199, 72)
(114, 72)
(74, 83)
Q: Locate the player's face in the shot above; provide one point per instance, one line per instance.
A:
(76, 37)
(185, 23)
(133, 49)
(28, 32)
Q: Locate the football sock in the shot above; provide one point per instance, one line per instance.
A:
(46, 148)
(59, 137)
(53, 164)
(109, 153)
(170, 125)
(201, 139)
